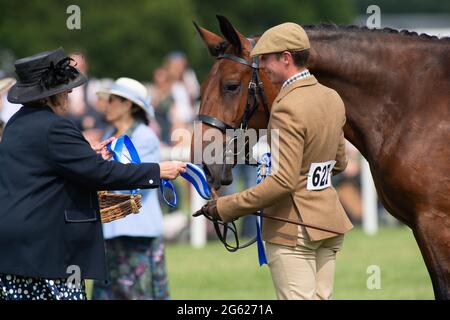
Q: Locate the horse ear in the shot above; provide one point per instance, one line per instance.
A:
(213, 41)
(230, 33)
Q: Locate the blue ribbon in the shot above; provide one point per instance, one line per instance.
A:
(196, 176)
(168, 185)
(124, 151)
(265, 165)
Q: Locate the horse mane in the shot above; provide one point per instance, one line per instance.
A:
(354, 28)
(221, 47)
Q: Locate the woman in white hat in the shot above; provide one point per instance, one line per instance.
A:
(134, 245)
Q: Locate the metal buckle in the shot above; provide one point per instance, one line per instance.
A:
(252, 85)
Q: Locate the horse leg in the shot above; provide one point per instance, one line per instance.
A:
(432, 232)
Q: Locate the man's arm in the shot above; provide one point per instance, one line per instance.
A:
(341, 156)
(286, 165)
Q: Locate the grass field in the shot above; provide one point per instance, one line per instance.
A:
(214, 273)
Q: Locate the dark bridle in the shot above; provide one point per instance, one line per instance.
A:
(255, 95)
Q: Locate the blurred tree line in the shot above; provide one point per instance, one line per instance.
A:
(131, 38)
(406, 6)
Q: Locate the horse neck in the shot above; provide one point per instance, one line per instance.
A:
(362, 66)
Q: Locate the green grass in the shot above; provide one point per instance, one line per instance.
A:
(214, 273)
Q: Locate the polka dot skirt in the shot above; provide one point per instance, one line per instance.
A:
(14, 287)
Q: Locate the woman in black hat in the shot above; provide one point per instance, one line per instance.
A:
(50, 232)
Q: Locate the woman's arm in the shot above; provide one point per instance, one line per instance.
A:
(73, 158)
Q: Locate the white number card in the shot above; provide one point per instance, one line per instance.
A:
(319, 176)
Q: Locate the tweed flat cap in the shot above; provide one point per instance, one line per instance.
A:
(285, 36)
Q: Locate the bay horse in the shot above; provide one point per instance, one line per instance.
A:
(396, 90)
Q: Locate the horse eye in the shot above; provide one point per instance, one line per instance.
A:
(231, 87)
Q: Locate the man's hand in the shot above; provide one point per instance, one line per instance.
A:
(101, 148)
(209, 210)
(171, 169)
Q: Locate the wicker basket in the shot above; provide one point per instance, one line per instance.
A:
(115, 206)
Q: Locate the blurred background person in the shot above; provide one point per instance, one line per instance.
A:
(164, 104)
(7, 109)
(348, 185)
(134, 245)
(184, 89)
(177, 66)
(85, 109)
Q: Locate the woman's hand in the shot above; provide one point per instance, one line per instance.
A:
(171, 169)
(101, 148)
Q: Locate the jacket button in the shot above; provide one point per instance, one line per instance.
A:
(150, 181)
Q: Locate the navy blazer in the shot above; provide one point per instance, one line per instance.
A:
(49, 213)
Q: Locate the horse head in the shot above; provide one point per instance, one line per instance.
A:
(225, 95)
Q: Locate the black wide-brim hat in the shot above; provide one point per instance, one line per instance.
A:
(43, 75)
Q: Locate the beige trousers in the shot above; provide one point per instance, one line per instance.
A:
(304, 272)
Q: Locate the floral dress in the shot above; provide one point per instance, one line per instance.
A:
(137, 270)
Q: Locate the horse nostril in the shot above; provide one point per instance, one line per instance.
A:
(212, 179)
(208, 175)
(227, 175)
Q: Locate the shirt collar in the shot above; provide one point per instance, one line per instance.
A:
(300, 75)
